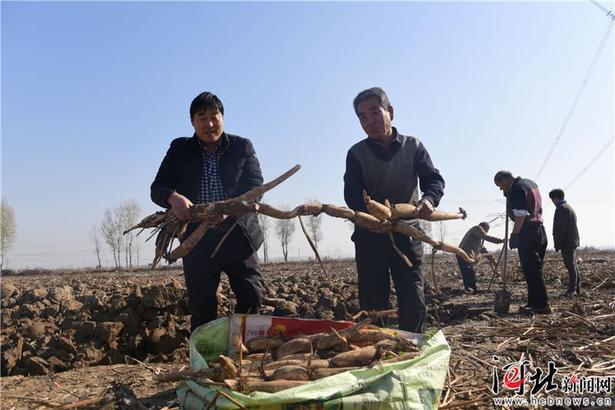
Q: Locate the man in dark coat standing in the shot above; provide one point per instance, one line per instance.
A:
(566, 239)
(524, 207)
(212, 166)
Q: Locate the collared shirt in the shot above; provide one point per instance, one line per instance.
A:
(380, 151)
(211, 186)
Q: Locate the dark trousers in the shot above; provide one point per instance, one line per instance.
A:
(377, 262)
(574, 277)
(468, 274)
(202, 274)
(532, 248)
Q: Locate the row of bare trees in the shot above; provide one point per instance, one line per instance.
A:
(284, 230)
(125, 248)
(111, 232)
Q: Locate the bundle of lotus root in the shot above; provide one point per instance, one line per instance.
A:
(382, 218)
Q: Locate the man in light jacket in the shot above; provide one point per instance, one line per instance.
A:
(472, 243)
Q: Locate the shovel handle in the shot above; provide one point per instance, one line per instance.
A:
(504, 273)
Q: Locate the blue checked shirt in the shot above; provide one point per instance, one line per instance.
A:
(211, 185)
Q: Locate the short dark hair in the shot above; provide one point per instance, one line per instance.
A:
(204, 101)
(485, 225)
(556, 193)
(377, 92)
(502, 176)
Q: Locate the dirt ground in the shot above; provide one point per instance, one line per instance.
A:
(96, 339)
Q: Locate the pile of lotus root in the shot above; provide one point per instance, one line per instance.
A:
(270, 364)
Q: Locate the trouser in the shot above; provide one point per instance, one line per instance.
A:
(468, 274)
(532, 248)
(574, 277)
(202, 274)
(377, 262)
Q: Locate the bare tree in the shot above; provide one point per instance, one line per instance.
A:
(314, 228)
(129, 212)
(137, 250)
(427, 228)
(441, 231)
(8, 229)
(284, 229)
(111, 230)
(263, 220)
(95, 238)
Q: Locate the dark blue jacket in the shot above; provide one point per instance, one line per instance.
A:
(182, 168)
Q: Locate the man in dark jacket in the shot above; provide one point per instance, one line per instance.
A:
(524, 207)
(389, 165)
(472, 243)
(566, 239)
(212, 166)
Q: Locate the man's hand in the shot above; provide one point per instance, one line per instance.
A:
(513, 243)
(424, 208)
(180, 205)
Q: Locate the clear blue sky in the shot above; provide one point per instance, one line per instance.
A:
(93, 93)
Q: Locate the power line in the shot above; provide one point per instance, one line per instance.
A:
(597, 54)
(608, 12)
(594, 159)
